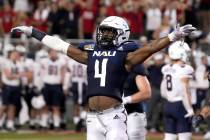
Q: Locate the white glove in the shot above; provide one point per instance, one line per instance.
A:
(127, 100)
(190, 113)
(181, 32)
(24, 29)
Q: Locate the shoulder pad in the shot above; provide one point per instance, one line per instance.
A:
(187, 70)
(128, 46)
(87, 46)
(163, 69)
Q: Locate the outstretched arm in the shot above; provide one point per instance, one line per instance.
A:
(54, 43)
(140, 55)
(143, 53)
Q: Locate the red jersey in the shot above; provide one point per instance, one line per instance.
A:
(7, 20)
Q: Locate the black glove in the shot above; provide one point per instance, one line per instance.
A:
(196, 120)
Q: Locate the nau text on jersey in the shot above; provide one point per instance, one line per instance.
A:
(104, 53)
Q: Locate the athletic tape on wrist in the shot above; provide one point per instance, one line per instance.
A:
(55, 43)
(128, 99)
(171, 37)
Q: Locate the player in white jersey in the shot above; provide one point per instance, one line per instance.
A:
(3, 60)
(175, 89)
(27, 83)
(78, 82)
(27, 65)
(41, 53)
(11, 73)
(53, 71)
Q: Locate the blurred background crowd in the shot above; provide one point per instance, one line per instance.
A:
(75, 21)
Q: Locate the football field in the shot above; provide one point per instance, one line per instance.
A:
(42, 136)
(65, 136)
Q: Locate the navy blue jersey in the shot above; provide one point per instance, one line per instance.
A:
(106, 69)
(130, 88)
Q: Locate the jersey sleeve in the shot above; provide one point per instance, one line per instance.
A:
(163, 69)
(140, 70)
(128, 46)
(7, 65)
(188, 71)
(43, 63)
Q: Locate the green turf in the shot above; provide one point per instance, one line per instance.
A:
(46, 136)
(41, 136)
(64, 136)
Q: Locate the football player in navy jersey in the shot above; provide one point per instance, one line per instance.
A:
(136, 89)
(108, 61)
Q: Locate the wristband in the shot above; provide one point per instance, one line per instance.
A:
(127, 100)
(171, 37)
(38, 34)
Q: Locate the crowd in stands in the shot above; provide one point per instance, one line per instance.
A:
(148, 19)
(78, 18)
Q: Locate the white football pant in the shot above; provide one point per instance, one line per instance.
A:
(109, 125)
(181, 136)
(136, 126)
